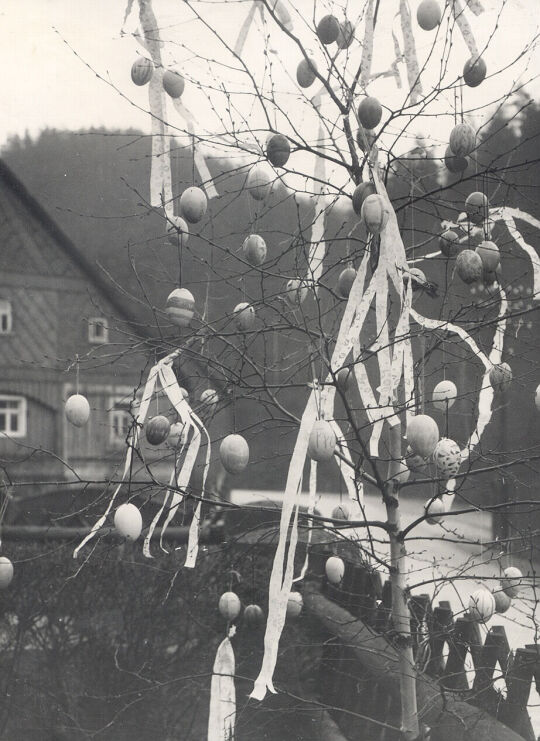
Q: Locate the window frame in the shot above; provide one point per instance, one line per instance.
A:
(6, 310)
(93, 323)
(22, 414)
(119, 404)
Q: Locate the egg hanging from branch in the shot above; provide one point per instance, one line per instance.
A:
(361, 192)
(253, 616)
(259, 182)
(481, 605)
(502, 601)
(365, 140)
(500, 377)
(447, 457)
(177, 231)
(344, 379)
(490, 255)
(341, 512)
(77, 410)
(474, 71)
(346, 35)
(209, 398)
(157, 429)
(477, 207)
(244, 316)
(175, 434)
(434, 511)
(462, 139)
(6, 572)
(429, 15)
(469, 266)
(403, 473)
(414, 462)
(142, 70)
(335, 570)
(370, 112)
(278, 150)
(444, 395)
(454, 163)
(295, 604)
(180, 307)
(173, 82)
(254, 250)
(306, 72)
(328, 29)
(234, 453)
(295, 292)
(345, 281)
(375, 213)
(193, 204)
(422, 434)
(322, 441)
(511, 581)
(449, 243)
(229, 606)
(128, 521)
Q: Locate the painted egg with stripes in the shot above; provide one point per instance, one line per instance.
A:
(469, 266)
(234, 453)
(422, 434)
(375, 213)
(278, 150)
(447, 457)
(180, 307)
(481, 605)
(462, 139)
(244, 316)
(429, 15)
(335, 570)
(306, 72)
(142, 70)
(77, 410)
(254, 250)
(259, 182)
(322, 441)
(444, 395)
(157, 429)
(474, 71)
(173, 82)
(6, 572)
(370, 112)
(229, 605)
(193, 204)
(295, 604)
(128, 521)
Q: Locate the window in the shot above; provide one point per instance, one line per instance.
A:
(13, 416)
(98, 330)
(6, 319)
(120, 419)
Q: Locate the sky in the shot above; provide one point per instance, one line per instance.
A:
(54, 53)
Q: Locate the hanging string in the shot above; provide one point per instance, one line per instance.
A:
(77, 373)
(411, 199)
(461, 102)
(193, 159)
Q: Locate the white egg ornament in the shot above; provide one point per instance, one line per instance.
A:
(157, 429)
(422, 435)
(511, 581)
(234, 453)
(142, 70)
(295, 604)
(429, 15)
(444, 395)
(193, 204)
(128, 521)
(481, 605)
(77, 410)
(173, 82)
(229, 606)
(244, 316)
(254, 250)
(434, 511)
(259, 182)
(295, 292)
(335, 570)
(322, 441)
(180, 307)
(209, 398)
(447, 457)
(175, 434)
(177, 231)
(375, 213)
(502, 601)
(462, 139)
(6, 572)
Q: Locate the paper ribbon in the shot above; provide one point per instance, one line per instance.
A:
(367, 46)
(508, 215)
(411, 60)
(317, 247)
(311, 508)
(207, 181)
(458, 11)
(281, 12)
(222, 713)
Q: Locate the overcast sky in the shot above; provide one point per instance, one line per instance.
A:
(46, 84)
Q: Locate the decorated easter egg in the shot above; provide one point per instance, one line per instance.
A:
(306, 72)
(209, 398)
(244, 316)
(278, 150)
(157, 429)
(344, 379)
(341, 512)
(128, 521)
(322, 441)
(254, 250)
(294, 605)
(500, 377)
(422, 434)
(447, 457)
(6, 572)
(229, 605)
(345, 281)
(429, 15)
(449, 243)
(346, 35)
(469, 266)
(234, 453)
(490, 255)
(77, 410)
(259, 182)
(361, 192)
(180, 307)
(415, 463)
(434, 510)
(375, 213)
(477, 207)
(481, 605)
(173, 82)
(142, 70)
(175, 434)
(403, 473)
(328, 29)
(253, 616)
(474, 71)
(455, 163)
(365, 140)
(370, 112)
(177, 231)
(335, 569)
(502, 601)
(193, 204)
(511, 581)
(295, 292)
(462, 139)
(444, 395)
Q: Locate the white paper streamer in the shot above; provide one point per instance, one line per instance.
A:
(207, 182)
(458, 12)
(411, 60)
(317, 247)
(222, 713)
(367, 46)
(507, 215)
(311, 508)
